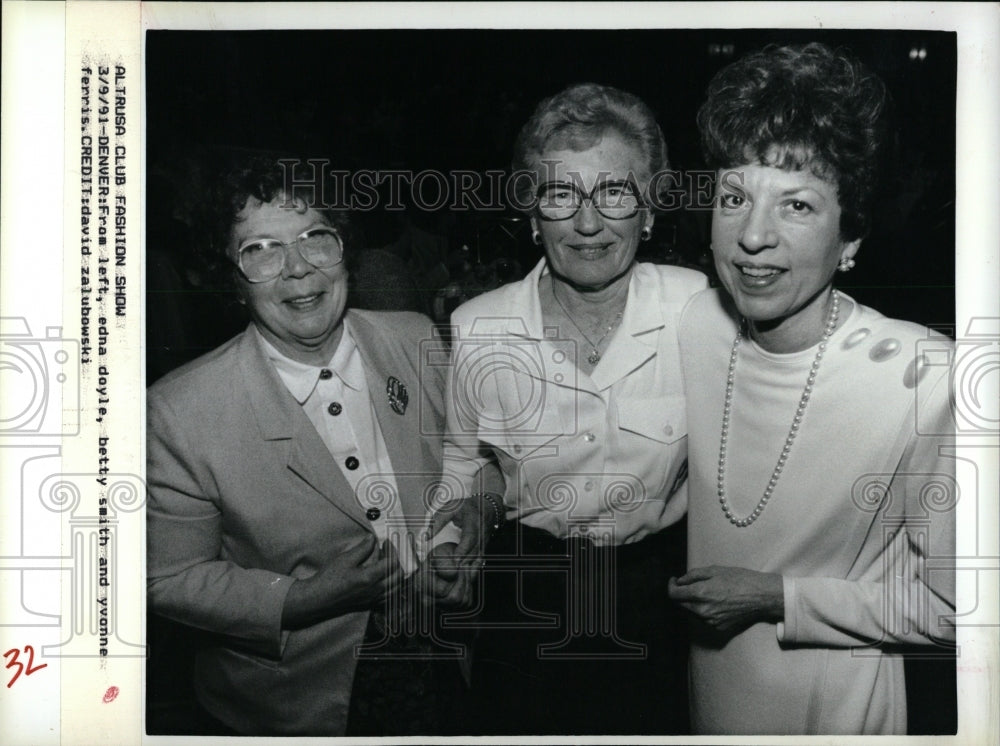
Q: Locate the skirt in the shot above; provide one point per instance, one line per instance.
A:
(576, 639)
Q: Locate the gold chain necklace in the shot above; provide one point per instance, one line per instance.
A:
(831, 325)
(595, 355)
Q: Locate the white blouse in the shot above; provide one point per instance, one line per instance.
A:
(601, 455)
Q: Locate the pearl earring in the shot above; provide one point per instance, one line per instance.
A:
(646, 233)
(846, 264)
(536, 237)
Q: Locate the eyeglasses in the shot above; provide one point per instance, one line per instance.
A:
(264, 259)
(616, 200)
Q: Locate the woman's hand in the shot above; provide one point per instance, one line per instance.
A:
(475, 518)
(355, 581)
(444, 579)
(451, 570)
(730, 599)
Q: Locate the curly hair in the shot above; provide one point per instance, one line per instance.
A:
(577, 118)
(798, 107)
(260, 177)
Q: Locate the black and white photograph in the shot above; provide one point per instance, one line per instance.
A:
(528, 373)
(520, 263)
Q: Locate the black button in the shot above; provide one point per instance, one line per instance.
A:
(326, 374)
(351, 463)
(373, 514)
(335, 408)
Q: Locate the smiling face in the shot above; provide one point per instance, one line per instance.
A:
(588, 248)
(301, 311)
(776, 240)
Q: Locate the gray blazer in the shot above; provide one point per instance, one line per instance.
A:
(244, 498)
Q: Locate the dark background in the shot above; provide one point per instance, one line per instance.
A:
(446, 100)
(451, 100)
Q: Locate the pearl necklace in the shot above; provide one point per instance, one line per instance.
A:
(831, 325)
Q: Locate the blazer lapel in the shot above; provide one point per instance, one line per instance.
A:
(391, 379)
(280, 418)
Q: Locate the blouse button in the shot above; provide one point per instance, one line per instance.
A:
(887, 348)
(517, 449)
(667, 430)
(335, 408)
(916, 370)
(351, 463)
(326, 374)
(855, 338)
(590, 437)
(373, 514)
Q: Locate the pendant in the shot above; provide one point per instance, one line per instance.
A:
(594, 357)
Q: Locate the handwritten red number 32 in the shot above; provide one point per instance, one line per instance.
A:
(21, 668)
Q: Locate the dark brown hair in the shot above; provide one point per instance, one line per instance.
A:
(260, 177)
(800, 107)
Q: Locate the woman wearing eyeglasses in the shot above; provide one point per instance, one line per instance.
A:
(569, 380)
(287, 470)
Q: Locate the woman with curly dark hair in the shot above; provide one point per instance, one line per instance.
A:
(821, 491)
(286, 473)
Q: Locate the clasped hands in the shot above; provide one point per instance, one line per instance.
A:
(360, 577)
(450, 571)
(727, 599)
